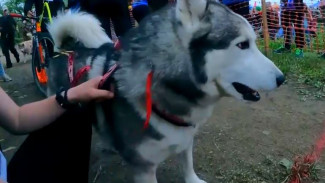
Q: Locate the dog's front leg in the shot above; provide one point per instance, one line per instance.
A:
(145, 174)
(186, 158)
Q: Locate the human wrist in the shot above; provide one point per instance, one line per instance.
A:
(64, 101)
(72, 96)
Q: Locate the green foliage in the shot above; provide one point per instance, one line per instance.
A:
(309, 71)
(15, 6)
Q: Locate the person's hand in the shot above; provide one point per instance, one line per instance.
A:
(30, 14)
(88, 91)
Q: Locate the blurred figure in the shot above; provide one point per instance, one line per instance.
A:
(273, 20)
(157, 4)
(140, 9)
(292, 12)
(106, 10)
(238, 6)
(8, 30)
(3, 76)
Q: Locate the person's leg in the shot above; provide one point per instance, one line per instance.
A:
(157, 4)
(287, 16)
(5, 51)
(105, 10)
(139, 12)
(241, 8)
(106, 24)
(3, 76)
(300, 33)
(11, 41)
(2, 71)
(120, 16)
(59, 152)
(55, 7)
(299, 29)
(286, 26)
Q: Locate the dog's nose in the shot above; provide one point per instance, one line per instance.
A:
(280, 80)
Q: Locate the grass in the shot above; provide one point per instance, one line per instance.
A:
(267, 171)
(308, 72)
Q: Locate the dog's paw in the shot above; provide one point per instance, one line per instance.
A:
(194, 179)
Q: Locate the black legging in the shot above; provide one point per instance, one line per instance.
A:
(295, 17)
(139, 12)
(8, 44)
(104, 10)
(157, 4)
(58, 153)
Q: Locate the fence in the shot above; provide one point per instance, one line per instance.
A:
(297, 25)
(293, 25)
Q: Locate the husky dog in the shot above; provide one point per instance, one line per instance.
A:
(199, 51)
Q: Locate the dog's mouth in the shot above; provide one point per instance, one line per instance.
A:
(247, 92)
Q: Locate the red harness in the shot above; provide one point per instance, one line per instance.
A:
(74, 80)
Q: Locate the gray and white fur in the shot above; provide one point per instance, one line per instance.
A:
(199, 50)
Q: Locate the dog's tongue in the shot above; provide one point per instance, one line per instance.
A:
(254, 96)
(247, 92)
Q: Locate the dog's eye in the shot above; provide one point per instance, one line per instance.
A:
(243, 45)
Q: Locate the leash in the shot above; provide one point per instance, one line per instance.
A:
(75, 78)
(148, 98)
(303, 165)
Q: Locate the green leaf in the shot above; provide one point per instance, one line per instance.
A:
(286, 163)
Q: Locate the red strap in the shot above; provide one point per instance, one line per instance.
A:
(107, 75)
(79, 75)
(148, 99)
(74, 80)
(117, 45)
(70, 66)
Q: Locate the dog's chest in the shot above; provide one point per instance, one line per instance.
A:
(176, 140)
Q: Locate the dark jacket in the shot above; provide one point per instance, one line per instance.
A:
(8, 26)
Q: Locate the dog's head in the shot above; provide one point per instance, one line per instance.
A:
(21, 46)
(223, 50)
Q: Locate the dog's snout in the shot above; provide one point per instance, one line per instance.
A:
(280, 80)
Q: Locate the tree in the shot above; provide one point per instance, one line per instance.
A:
(15, 6)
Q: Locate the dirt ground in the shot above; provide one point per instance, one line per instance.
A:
(242, 142)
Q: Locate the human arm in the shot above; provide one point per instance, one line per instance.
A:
(33, 116)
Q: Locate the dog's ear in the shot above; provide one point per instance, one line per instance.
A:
(190, 12)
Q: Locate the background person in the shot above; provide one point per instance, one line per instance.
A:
(8, 30)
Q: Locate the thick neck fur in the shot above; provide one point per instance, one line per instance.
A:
(175, 87)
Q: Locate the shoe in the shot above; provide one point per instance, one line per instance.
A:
(6, 78)
(282, 50)
(299, 53)
(9, 66)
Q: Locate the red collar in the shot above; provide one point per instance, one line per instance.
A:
(175, 120)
